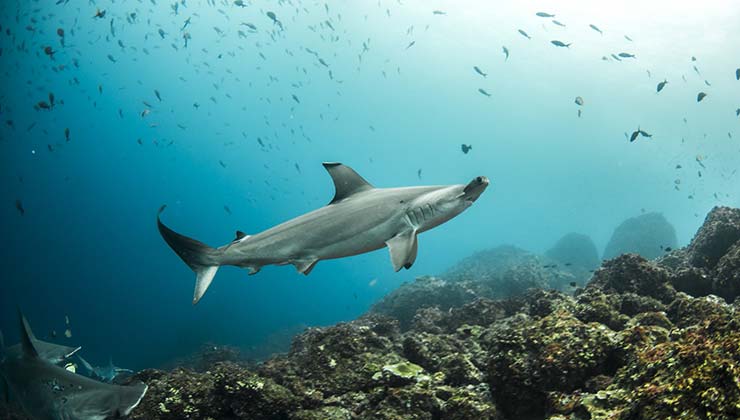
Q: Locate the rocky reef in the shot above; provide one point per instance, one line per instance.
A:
(648, 235)
(635, 342)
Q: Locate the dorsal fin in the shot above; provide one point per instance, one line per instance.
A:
(346, 181)
(240, 235)
(27, 338)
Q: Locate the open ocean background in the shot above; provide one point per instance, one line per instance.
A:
(87, 246)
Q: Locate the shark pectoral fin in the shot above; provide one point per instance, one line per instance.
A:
(253, 270)
(305, 266)
(403, 249)
(346, 181)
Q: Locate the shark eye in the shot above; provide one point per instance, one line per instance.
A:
(479, 179)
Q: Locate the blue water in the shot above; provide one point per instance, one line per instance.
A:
(87, 246)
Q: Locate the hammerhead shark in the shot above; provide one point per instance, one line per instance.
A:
(47, 391)
(359, 219)
(107, 373)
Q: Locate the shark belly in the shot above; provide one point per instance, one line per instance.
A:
(335, 231)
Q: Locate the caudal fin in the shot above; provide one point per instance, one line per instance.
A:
(201, 258)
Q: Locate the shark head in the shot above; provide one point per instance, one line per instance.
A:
(475, 188)
(442, 204)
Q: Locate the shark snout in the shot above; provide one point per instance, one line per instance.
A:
(475, 188)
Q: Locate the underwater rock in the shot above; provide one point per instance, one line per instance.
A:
(427, 291)
(337, 359)
(727, 274)
(575, 249)
(721, 229)
(207, 355)
(509, 271)
(226, 391)
(648, 235)
(632, 273)
(530, 357)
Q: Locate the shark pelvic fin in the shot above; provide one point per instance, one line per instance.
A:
(346, 181)
(305, 266)
(403, 249)
(27, 337)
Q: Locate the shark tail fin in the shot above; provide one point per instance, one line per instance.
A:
(201, 258)
(129, 397)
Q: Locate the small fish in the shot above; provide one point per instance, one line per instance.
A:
(616, 58)
(579, 113)
(544, 15)
(111, 58)
(295, 98)
(479, 71)
(438, 12)
(99, 14)
(49, 51)
(737, 112)
(573, 284)
(161, 33)
(68, 333)
(661, 85)
(297, 167)
(411, 44)
(628, 38)
(700, 96)
(737, 74)
(524, 34)
(373, 282)
(66, 134)
(595, 28)
(156, 93)
(227, 210)
(51, 99)
(634, 135)
(579, 101)
(706, 82)
(239, 3)
(559, 43)
(221, 162)
(484, 92)
(418, 173)
(506, 52)
(558, 23)
(19, 207)
(668, 249)
(644, 133)
(626, 55)
(466, 148)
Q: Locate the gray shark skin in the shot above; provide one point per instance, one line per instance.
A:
(360, 219)
(52, 353)
(47, 391)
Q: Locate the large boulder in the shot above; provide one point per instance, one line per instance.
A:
(721, 229)
(649, 235)
(576, 249)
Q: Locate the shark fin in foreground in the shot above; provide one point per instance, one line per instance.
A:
(360, 218)
(48, 391)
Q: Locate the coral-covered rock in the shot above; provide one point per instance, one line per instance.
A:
(226, 391)
(647, 235)
(632, 273)
(337, 359)
(424, 292)
(727, 274)
(531, 357)
(721, 229)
